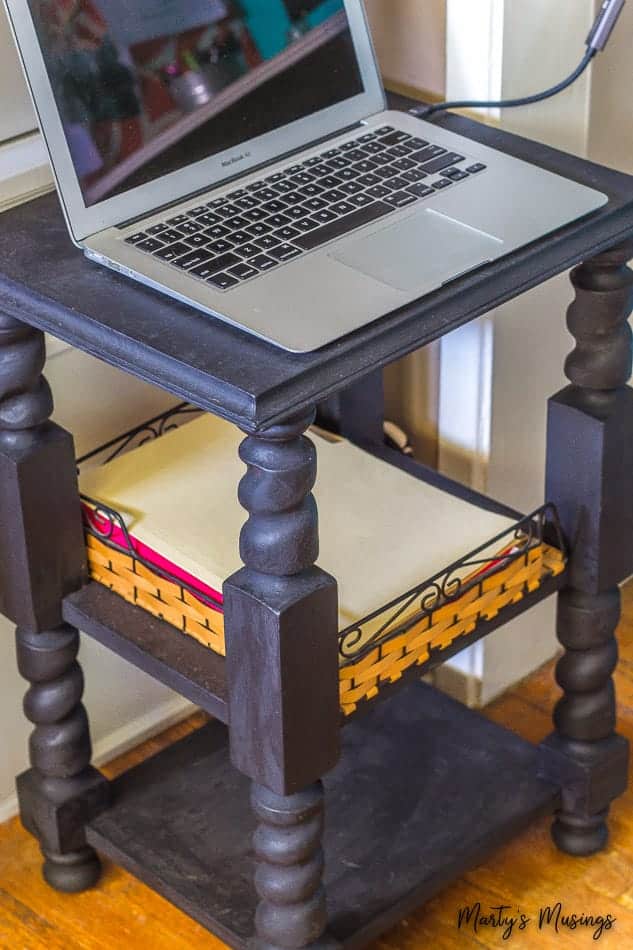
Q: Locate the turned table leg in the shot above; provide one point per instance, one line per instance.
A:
(282, 666)
(590, 478)
(42, 560)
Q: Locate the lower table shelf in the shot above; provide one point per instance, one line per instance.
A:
(425, 789)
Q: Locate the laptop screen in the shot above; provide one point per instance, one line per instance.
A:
(148, 87)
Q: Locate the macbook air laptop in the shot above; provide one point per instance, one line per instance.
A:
(238, 156)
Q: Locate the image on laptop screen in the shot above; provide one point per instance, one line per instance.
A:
(149, 87)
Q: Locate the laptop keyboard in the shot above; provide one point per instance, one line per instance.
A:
(277, 219)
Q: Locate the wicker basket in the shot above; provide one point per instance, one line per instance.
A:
(436, 627)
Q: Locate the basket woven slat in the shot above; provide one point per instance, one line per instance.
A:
(386, 662)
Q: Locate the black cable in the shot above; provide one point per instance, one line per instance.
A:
(602, 28)
(426, 111)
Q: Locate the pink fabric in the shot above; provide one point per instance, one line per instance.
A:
(212, 598)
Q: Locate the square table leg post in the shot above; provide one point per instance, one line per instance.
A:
(282, 666)
(43, 559)
(590, 479)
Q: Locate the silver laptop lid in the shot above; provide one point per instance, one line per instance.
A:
(142, 102)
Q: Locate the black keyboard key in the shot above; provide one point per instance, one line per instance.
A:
(394, 138)
(221, 246)
(276, 177)
(362, 200)
(343, 225)
(364, 167)
(217, 203)
(378, 191)
(207, 220)
(283, 187)
(255, 187)
(247, 203)
(194, 212)
(329, 181)
(263, 262)
(427, 153)
(477, 167)
(382, 159)
(400, 199)
(217, 231)
(311, 162)
(137, 238)
(347, 174)
(172, 252)
(306, 224)
(397, 183)
(351, 187)
(335, 195)
(357, 155)
(197, 240)
(295, 213)
(348, 146)
(150, 245)
(385, 130)
(441, 183)
(156, 229)
(455, 174)
(414, 176)
(345, 207)
(421, 191)
(373, 148)
(223, 281)
(204, 271)
(224, 261)
(331, 153)
(304, 178)
(444, 161)
(266, 242)
(368, 137)
(238, 193)
(416, 143)
(239, 237)
(311, 191)
(286, 234)
(257, 214)
(179, 219)
(267, 194)
(190, 227)
(368, 180)
(237, 223)
(243, 271)
(325, 216)
(294, 170)
(259, 229)
(285, 252)
(334, 163)
(315, 204)
(387, 172)
(278, 220)
(171, 235)
(193, 259)
(398, 151)
(404, 164)
(273, 207)
(246, 250)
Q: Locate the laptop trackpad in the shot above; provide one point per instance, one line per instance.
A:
(423, 251)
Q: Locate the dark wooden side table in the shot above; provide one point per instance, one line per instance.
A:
(418, 788)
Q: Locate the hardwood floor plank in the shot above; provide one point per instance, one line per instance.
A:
(529, 873)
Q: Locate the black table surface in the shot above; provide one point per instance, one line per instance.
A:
(47, 282)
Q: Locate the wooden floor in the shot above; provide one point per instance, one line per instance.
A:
(526, 875)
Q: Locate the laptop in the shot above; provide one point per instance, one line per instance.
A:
(238, 156)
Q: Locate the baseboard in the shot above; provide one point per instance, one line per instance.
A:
(127, 737)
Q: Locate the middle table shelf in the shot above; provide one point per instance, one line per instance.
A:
(425, 567)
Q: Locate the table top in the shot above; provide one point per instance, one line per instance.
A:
(47, 282)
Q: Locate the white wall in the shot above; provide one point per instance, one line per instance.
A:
(16, 112)
(611, 113)
(410, 38)
(95, 403)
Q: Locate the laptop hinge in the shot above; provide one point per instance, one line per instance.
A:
(228, 181)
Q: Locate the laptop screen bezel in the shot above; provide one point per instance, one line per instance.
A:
(84, 221)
